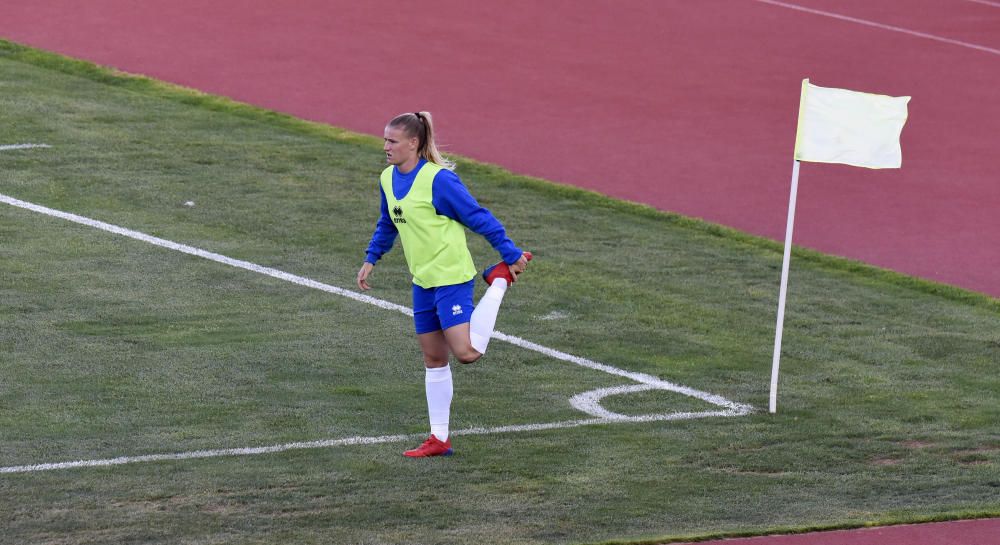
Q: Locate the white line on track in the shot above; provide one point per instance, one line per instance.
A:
(6, 147)
(588, 402)
(882, 26)
(986, 2)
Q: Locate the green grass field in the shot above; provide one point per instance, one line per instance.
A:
(111, 347)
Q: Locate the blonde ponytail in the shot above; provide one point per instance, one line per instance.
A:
(421, 125)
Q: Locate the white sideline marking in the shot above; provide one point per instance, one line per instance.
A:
(883, 26)
(5, 147)
(588, 402)
(348, 441)
(191, 250)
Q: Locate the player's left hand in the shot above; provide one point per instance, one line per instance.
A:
(519, 267)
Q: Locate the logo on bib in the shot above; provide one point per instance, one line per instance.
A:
(398, 212)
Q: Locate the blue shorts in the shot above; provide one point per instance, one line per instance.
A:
(435, 309)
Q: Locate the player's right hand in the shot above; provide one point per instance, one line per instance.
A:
(366, 270)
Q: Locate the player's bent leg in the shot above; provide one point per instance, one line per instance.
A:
(457, 337)
(484, 317)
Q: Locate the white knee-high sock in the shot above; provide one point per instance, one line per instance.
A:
(438, 385)
(484, 317)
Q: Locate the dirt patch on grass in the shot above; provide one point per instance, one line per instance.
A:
(915, 444)
(886, 461)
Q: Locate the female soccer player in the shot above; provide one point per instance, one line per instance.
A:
(428, 207)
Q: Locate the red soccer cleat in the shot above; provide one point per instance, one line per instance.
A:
(501, 270)
(431, 447)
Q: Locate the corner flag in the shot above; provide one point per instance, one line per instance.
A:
(837, 126)
(841, 126)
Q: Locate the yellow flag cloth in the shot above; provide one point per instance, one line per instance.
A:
(841, 126)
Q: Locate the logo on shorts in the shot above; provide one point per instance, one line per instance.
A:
(398, 212)
(456, 310)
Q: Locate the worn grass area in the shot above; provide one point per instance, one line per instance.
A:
(111, 347)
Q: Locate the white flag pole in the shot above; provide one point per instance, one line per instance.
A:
(784, 288)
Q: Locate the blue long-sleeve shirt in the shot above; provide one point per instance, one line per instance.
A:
(451, 199)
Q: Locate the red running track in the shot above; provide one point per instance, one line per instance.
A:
(963, 532)
(689, 107)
